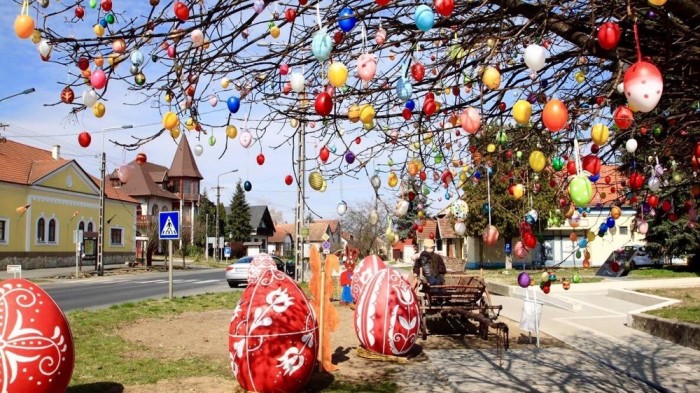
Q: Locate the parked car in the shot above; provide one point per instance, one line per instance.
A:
(634, 256)
(237, 272)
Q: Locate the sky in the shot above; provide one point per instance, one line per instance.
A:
(32, 121)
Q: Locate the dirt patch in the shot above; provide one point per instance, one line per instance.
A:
(205, 335)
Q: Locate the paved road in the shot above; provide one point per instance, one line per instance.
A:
(106, 291)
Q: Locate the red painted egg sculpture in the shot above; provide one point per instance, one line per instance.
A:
(37, 346)
(387, 318)
(363, 273)
(273, 336)
(260, 264)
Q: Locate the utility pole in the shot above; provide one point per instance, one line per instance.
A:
(218, 197)
(299, 213)
(206, 237)
(100, 233)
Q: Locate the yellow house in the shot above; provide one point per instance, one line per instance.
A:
(45, 199)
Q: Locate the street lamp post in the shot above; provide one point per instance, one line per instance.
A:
(218, 197)
(27, 91)
(101, 229)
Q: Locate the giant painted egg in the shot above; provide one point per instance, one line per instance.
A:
(259, 265)
(387, 318)
(37, 346)
(363, 273)
(273, 336)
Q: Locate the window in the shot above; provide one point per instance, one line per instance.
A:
(139, 211)
(115, 237)
(81, 226)
(40, 230)
(154, 210)
(3, 231)
(624, 230)
(90, 228)
(52, 231)
(186, 187)
(196, 187)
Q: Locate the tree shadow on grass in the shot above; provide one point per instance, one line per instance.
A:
(97, 387)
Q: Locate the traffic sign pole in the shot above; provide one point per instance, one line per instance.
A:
(169, 229)
(170, 269)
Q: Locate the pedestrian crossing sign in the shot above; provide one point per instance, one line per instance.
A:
(169, 225)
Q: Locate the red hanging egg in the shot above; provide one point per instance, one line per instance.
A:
(636, 180)
(338, 37)
(697, 150)
(595, 148)
(290, 14)
(419, 228)
(381, 3)
(67, 95)
(609, 34)
(444, 7)
(363, 273)
(529, 240)
(141, 158)
(323, 104)
(666, 205)
(181, 11)
(84, 139)
(37, 345)
(489, 235)
(406, 113)
(284, 69)
(653, 200)
(83, 63)
(324, 154)
(591, 164)
(571, 167)
(358, 140)
(431, 235)
(623, 117)
(106, 5)
(79, 12)
(608, 179)
(418, 71)
(429, 107)
(260, 159)
(423, 175)
(288, 180)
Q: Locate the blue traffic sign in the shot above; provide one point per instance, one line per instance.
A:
(169, 225)
(508, 248)
(227, 252)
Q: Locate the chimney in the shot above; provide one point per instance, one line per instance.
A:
(56, 152)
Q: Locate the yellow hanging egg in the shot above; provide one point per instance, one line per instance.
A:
(491, 78)
(190, 124)
(175, 133)
(579, 76)
(316, 180)
(98, 109)
(615, 212)
(366, 113)
(657, 3)
(294, 123)
(36, 36)
(522, 111)
(170, 120)
(231, 131)
(225, 83)
(393, 180)
(368, 126)
(168, 97)
(337, 74)
(421, 214)
(428, 138)
(324, 186)
(354, 113)
(600, 134)
(537, 161)
(491, 148)
(590, 236)
(518, 191)
(275, 31)
(99, 30)
(99, 61)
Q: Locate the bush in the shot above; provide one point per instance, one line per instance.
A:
(192, 250)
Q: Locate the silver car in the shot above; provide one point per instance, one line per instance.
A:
(237, 272)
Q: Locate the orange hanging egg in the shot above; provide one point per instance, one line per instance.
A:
(24, 26)
(555, 115)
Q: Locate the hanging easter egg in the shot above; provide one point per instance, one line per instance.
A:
(460, 228)
(615, 212)
(67, 95)
(98, 79)
(522, 110)
(363, 273)
(273, 335)
(373, 217)
(444, 7)
(395, 330)
(537, 161)
(529, 240)
(631, 145)
(636, 180)
(323, 104)
(555, 115)
(260, 159)
(418, 71)
(557, 163)
(643, 86)
(98, 110)
(459, 209)
(346, 19)
(600, 134)
(491, 78)
(610, 222)
(170, 120)
(535, 57)
(349, 157)
(341, 208)
(43, 3)
(367, 113)
(376, 182)
(424, 17)
(245, 139)
(490, 235)
(654, 184)
(45, 50)
(591, 164)
(225, 82)
(297, 81)
(24, 26)
(623, 117)
(366, 66)
(524, 280)
(404, 89)
(380, 36)
(642, 227)
(290, 15)
(141, 158)
(321, 45)
(234, 104)
(37, 351)
(198, 150)
(521, 252)
(316, 180)
(247, 185)
(402, 207)
(609, 34)
(392, 180)
(337, 74)
(517, 191)
(181, 11)
(581, 190)
(175, 133)
(84, 139)
(470, 120)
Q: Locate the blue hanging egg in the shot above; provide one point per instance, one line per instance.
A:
(410, 105)
(321, 45)
(404, 89)
(610, 222)
(234, 104)
(424, 17)
(247, 186)
(137, 58)
(346, 19)
(594, 178)
(447, 195)
(103, 22)
(603, 227)
(477, 175)
(582, 243)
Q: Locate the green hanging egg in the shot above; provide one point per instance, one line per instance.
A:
(109, 18)
(577, 278)
(578, 254)
(438, 158)
(558, 163)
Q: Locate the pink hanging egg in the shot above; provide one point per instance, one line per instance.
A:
(490, 235)
(366, 66)
(380, 36)
(98, 79)
(470, 120)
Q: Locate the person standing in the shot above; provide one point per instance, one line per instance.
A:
(431, 263)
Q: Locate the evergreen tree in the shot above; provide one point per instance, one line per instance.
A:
(404, 225)
(239, 220)
(206, 208)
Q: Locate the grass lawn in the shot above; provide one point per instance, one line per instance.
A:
(667, 271)
(687, 311)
